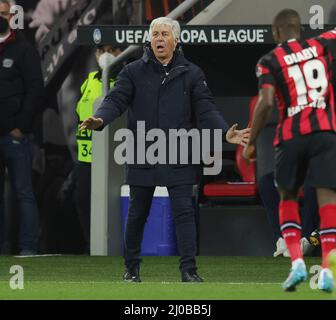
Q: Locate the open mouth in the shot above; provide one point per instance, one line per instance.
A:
(160, 48)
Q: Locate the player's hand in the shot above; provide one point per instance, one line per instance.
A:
(238, 136)
(91, 123)
(249, 153)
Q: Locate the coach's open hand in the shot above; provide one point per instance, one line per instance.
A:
(91, 123)
(238, 136)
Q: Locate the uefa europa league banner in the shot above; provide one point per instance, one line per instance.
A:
(190, 34)
(60, 42)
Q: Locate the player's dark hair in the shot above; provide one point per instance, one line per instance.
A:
(288, 20)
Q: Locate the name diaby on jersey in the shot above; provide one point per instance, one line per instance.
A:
(7, 63)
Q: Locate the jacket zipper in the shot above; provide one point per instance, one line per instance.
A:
(167, 73)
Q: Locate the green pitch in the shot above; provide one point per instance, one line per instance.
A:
(83, 277)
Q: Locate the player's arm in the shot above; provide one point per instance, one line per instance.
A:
(261, 114)
(264, 105)
(330, 37)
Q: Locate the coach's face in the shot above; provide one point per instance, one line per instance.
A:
(163, 43)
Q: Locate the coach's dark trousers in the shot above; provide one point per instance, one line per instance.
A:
(184, 219)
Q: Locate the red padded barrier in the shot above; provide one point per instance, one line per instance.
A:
(246, 188)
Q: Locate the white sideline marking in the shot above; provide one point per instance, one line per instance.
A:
(151, 282)
(39, 255)
(261, 283)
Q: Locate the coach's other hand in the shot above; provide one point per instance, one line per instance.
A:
(91, 123)
(238, 136)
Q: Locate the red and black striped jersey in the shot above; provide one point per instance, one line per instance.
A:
(301, 73)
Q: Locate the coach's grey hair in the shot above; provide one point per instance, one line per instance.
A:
(175, 26)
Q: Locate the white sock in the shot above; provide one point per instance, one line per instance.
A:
(296, 262)
(327, 271)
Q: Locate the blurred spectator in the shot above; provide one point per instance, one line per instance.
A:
(21, 96)
(57, 183)
(123, 10)
(90, 91)
(45, 15)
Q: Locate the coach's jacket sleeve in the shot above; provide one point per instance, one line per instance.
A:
(117, 100)
(207, 114)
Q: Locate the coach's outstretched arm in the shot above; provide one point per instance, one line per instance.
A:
(261, 114)
(114, 105)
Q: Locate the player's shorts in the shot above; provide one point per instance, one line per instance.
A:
(312, 156)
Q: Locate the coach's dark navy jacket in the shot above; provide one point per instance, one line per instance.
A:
(176, 99)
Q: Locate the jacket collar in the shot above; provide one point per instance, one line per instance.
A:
(4, 38)
(178, 57)
(11, 38)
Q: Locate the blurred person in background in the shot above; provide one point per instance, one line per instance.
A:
(90, 91)
(21, 96)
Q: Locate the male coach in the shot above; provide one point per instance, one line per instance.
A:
(166, 91)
